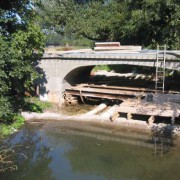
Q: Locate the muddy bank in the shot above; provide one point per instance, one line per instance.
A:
(160, 129)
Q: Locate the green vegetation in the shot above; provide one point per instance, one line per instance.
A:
(35, 105)
(12, 121)
(145, 22)
(6, 129)
(22, 44)
(62, 40)
(101, 67)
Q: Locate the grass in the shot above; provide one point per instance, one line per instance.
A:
(10, 128)
(101, 67)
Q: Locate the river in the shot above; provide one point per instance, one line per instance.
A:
(68, 150)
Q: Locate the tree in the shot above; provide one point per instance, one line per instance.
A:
(94, 20)
(147, 22)
(99, 21)
(153, 22)
(22, 44)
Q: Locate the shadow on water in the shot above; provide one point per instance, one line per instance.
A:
(74, 150)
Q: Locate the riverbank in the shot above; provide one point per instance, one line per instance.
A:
(160, 129)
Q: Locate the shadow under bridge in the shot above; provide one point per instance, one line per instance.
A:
(77, 76)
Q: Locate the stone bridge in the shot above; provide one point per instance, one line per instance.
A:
(66, 69)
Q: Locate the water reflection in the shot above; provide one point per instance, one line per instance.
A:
(161, 145)
(163, 139)
(83, 151)
(29, 142)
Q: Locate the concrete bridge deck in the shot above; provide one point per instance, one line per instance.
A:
(144, 55)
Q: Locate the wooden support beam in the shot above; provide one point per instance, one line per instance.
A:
(98, 109)
(81, 96)
(129, 116)
(111, 113)
(114, 116)
(151, 120)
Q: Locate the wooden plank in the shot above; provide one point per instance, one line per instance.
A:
(124, 88)
(106, 48)
(107, 91)
(97, 109)
(119, 88)
(98, 95)
(110, 113)
(148, 111)
(116, 47)
(107, 44)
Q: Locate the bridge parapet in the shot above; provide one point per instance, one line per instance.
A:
(147, 55)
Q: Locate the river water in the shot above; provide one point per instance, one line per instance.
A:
(76, 151)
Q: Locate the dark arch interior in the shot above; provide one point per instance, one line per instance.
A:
(77, 76)
(120, 76)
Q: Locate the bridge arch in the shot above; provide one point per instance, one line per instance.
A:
(77, 75)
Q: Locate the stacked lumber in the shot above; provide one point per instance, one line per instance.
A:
(107, 46)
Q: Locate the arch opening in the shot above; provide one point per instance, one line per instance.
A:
(77, 76)
(119, 75)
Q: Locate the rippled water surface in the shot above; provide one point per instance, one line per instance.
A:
(73, 150)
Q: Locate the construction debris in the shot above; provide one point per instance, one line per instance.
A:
(70, 100)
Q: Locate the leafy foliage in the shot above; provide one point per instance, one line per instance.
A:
(6, 110)
(155, 22)
(35, 105)
(21, 44)
(146, 22)
(6, 129)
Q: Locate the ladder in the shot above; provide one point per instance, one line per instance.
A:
(160, 68)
